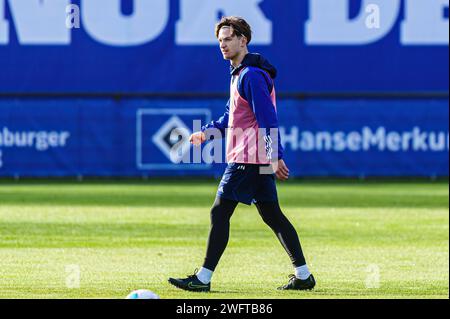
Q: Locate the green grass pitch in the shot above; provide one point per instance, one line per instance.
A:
(361, 239)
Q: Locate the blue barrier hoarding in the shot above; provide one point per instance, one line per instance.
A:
(168, 46)
(132, 137)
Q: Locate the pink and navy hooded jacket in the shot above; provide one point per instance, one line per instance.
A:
(252, 110)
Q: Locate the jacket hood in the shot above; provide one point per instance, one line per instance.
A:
(256, 60)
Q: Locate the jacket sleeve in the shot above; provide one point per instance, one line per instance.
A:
(256, 87)
(221, 124)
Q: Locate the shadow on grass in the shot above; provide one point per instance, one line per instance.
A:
(158, 198)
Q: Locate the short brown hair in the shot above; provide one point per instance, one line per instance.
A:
(239, 25)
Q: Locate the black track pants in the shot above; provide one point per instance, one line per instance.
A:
(272, 215)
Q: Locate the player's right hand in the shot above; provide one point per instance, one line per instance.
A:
(197, 138)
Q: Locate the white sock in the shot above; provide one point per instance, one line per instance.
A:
(204, 275)
(302, 272)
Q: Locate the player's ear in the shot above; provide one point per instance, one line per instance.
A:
(244, 40)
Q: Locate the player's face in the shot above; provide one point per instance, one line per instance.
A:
(230, 45)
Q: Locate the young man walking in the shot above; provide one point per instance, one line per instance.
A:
(250, 111)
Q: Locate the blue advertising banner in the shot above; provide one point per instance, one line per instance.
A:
(367, 137)
(136, 137)
(169, 46)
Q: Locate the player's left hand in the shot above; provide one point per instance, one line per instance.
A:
(281, 170)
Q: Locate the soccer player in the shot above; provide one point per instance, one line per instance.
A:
(252, 106)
